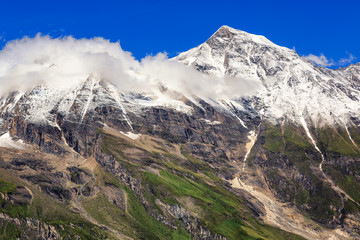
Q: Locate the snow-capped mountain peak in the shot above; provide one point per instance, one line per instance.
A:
(230, 48)
(294, 87)
(227, 33)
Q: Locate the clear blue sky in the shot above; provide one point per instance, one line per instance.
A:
(148, 27)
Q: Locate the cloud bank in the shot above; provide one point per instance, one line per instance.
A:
(322, 60)
(347, 60)
(65, 62)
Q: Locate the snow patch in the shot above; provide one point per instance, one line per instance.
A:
(7, 142)
(157, 98)
(232, 107)
(351, 139)
(89, 99)
(115, 95)
(16, 100)
(207, 121)
(131, 135)
(302, 121)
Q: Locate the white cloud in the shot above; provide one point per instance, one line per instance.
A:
(347, 60)
(320, 60)
(25, 63)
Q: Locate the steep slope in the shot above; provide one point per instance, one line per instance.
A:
(319, 104)
(165, 163)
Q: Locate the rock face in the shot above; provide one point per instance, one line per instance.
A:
(34, 229)
(148, 156)
(192, 224)
(21, 196)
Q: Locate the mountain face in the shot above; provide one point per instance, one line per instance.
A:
(293, 87)
(91, 161)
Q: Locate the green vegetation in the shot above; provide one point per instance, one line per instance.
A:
(355, 134)
(9, 231)
(294, 146)
(346, 181)
(351, 207)
(174, 179)
(69, 224)
(114, 146)
(295, 140)
(217, 206)
(273, 139)
(12, 209)
(151, 228)
(288, 142)
(135, 222)
(337, 141)
(217, 209)
(108, 214)
(220, 211)
(7, 187)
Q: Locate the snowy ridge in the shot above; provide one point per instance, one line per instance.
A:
(115, 95)
(231, 108)
(41, 104)
(89, 97)
(293, 87)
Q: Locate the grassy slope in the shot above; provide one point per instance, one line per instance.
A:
(337, 143)
(134, 222)
(217, 208)
(295, 146)
(45, 209)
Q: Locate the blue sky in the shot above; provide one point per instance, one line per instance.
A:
(145, 28)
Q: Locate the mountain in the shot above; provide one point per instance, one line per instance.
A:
(258, 144)
(294, 87)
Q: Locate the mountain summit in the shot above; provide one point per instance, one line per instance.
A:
(294, 87)
(230, 48)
